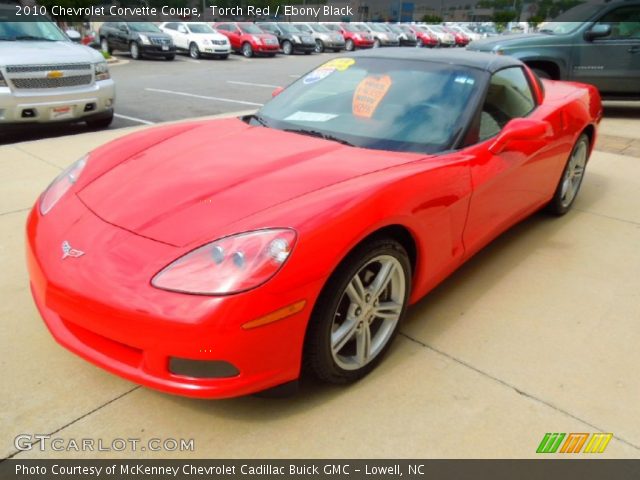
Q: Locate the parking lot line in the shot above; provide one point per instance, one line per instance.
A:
(204, 97)
(133, 119)
(265, 85)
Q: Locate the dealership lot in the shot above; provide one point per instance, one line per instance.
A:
(536, 334)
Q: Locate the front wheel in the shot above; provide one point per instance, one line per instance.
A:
(104, 46)
(287, 47)
(247, 50)
(376, 43)
(319, 46)
(194, 51)
(420, 43)
(350, 46)
(571, 180)
(357, 314)
(134, 50)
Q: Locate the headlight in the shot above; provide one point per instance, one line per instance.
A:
(102, 71)
(256, 39)
(229, 265)
(296, 38)
(3, 82)
(144, 39)
(357, 36)
(61, 184)
(206, 41)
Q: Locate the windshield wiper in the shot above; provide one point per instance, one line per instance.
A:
(31, 37)
(257, 118)
(315, 133)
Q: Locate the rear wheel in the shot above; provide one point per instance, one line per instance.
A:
(247, 50)
(357, 314)
(194, 51)
(571, 180)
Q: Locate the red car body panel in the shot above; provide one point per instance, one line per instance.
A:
(102, 305)
(238, 39)
(428, 40)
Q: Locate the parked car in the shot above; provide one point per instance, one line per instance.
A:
(405, 35)
(355, 36)
(466, 31)
(461, 40)
(290, 37)
(325, 38)
(603, 51)
(197, 39)
(249, 39)
(382, 35)
(425, 37)
(45, 78)
(348, 196)
(140, 39)
(445, 39)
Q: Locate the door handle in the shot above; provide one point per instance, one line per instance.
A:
(634, 49)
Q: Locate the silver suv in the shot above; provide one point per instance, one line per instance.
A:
(44, 77)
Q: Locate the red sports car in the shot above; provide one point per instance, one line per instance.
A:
(217, 258)
(249, 39)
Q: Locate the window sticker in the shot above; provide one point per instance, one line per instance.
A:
(464, 79)
(311, 117)
(323, 71)
(369, 94)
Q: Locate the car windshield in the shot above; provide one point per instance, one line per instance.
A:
(250, 28)
(201, 28)
(378, 28)
(288, 28)
(406, 29)
(320, 28)
(396, 29)
(143, 27)
(304, 28)
(383, 104)
(437, 28)
(332, 27)
(31, 31)
(353, 28)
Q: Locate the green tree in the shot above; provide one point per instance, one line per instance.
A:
(431, 19)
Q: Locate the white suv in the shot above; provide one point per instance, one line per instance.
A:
(197, 39)
(44, 77)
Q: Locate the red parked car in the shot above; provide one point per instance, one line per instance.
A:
(461, 39)
(249, 39)
(215, 258)
(424, 36)
(356, 36)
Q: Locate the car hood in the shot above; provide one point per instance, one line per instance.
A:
(208, 36)
(525, 39)
(190, 186)
(34, 52)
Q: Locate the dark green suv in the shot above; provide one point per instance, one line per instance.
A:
(604, 50)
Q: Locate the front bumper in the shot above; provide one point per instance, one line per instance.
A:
(56, 105)
(264, 48)
(157, 50)
(102, 307)
(304, 47)
(215, 49)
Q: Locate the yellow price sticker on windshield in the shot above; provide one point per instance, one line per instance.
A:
(369, 94)
(340, 64)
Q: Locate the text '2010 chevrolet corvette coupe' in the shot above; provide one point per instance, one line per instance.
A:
(220, 258)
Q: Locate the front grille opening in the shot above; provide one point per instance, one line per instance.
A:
(26, 83)
(29, 113)
(89, 107)
(202, 368)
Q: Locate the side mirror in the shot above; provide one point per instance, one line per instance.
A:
(73, 35)
(598, 31)
(276, 92)
(520, 129)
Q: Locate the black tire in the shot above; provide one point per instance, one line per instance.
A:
(247, 50)
(318, 358)
(223, 57)
(349, 45)
(287, 47)
(419, 43)
(559, 204)
(170, 57)
(134, 50)
(104, 46)
(101, 123)
(319, 46)
(194, 51)
(376, 43)
(542, 73)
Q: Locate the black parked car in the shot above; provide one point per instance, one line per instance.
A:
(290, 37)
(138, 38)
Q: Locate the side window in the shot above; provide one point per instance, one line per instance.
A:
(222, 26)
(509, 97)
(624, 21)
(170, 26)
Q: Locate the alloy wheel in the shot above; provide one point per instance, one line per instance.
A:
(573, 174)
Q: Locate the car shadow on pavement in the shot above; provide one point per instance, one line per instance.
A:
(29, 134)
(629, 110)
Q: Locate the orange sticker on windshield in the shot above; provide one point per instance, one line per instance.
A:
(369, 94)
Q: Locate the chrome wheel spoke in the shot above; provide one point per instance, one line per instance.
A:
(382, 279)
(356, 291)
(387, 310)
(343, 334)
(363, 344)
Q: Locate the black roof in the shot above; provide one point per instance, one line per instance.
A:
(472, 59)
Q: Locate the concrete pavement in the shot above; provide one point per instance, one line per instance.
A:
(538, 333)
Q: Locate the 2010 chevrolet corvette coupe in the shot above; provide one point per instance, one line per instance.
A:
(221, 258)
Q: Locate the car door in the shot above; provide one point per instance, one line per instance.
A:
(612, 62)
(232, 32)
(511, 166)
(181, 38)
(121, 36)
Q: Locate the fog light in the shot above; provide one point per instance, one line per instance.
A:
(109, 102)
